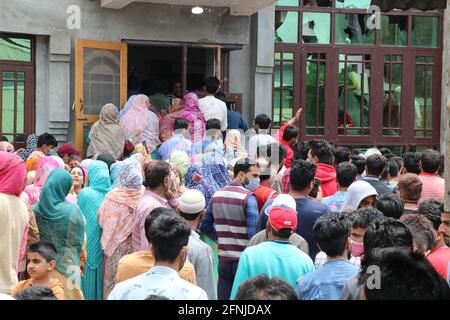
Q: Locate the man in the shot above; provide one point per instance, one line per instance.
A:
(391, 205)
(157, 194)
(231, 219)
(275, 156)
(170, 237)
(332, 232)
(140, 262)
(234, 118)
(360, 163)
(210, 106)
(263, 288)
(375, 166)
(409, 190)
(433, 185)
(159, 101)
(262, 136)
(411, 163)
(321, 154)
(385, 233)
(264, 191)
(46, 142)
(404, 275)
(288, 135)
(346, 173)
(287, 202)
(422, 231)
(275, 257)
(192, 209)
(342, 154)
(178, 141)
(66, 152)
(308, 210)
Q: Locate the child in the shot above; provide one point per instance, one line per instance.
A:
(41, 262)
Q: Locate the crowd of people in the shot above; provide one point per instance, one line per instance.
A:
(188, 204)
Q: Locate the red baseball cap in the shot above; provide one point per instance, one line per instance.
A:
(282, 218)
(67, 149)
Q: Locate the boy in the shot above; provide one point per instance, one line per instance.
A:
(178, 141)
(41, 262)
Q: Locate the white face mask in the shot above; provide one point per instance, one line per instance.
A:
(253, 184)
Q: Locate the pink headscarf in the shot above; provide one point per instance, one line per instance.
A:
(12, 174)
(191, 112)
(6, 146)
(136, 119)
(44, 167)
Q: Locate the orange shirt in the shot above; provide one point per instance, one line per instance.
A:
(140, 262)
(54, 285)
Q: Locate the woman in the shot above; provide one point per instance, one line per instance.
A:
(13, 218)
(89, 201)
(209, 176)
(126, 107)
(181, 161)
(31, 146)
(106, 135)
(45, 166)
(197, 122)
(62, 224)
(114, 173)
(360, 194)
(116, 218)
(6, 146)
(140, 124)
(167, 121)
(79, 180)
(233, 146)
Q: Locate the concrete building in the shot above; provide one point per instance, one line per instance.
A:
(360, 86)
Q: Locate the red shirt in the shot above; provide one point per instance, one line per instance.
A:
(440, 259)
(289, 152)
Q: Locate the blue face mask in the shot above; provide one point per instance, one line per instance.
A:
(253, 184)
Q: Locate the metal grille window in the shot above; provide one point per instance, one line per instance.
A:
(283, 88)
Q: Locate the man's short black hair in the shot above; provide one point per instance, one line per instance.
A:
(386, 233)
(301, 153)
(441, 169)
(244, 165)
(422, 231)
(180, 123)
(36, 292)
(405, 275)
(431, 208)
(346, 173)
(390, 204)
(431, 161)
(291, 132)
(302, 173)
(342, 154)
(263, 288)
(323, 150)
(213, 124)
(155, 173)
(392, 167)
(331, 232)
(156, 297)
(375, 164)
(46, 139)
(152, 216)
(212, 84)
(385, 151)
(221, 96)
(169, 234)
(411, 161)
(399, 162)
(359, 162)
(363, 217)
(263, 121)
(46, 249)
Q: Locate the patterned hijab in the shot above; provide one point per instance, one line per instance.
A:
(197, 121)
(89, 201)
(31, 146)
(60, 222)
(136, 119)
(45, 166)
(116, 214)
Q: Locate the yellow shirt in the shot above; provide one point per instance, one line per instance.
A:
(54, 285)
(140, 262)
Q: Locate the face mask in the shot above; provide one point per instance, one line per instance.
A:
(253, 184)
(357, 248)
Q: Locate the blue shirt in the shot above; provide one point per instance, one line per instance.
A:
(235, 121)
(251, 211)
(274, 259)
(177, 143)
(161, 281)
(308, 211)
(335, 202)
(326, 283)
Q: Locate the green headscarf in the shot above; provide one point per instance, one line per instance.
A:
(60, 222)
(181, 160)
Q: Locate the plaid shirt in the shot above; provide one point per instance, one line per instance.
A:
(286, 181)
